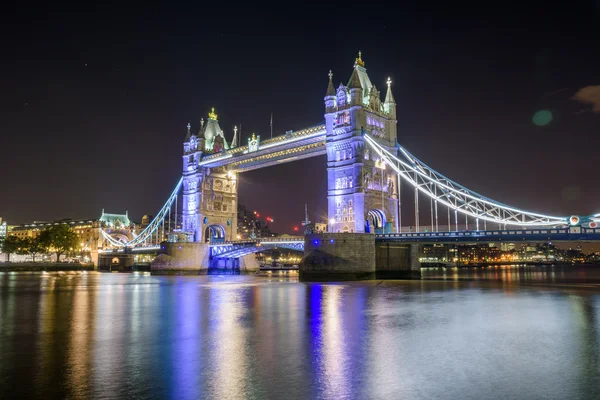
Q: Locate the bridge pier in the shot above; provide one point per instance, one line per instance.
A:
(120, 262)
(338, 256)
(356, 256)
(398, 260)
(181, 258)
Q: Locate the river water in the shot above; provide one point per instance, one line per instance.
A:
(506, 333)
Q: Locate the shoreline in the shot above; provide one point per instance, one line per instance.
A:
(44, 267)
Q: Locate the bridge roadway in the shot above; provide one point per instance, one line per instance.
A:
(240, 248)
(506, 235)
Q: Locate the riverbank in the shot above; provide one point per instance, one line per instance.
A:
(41, 267)
(504, 264)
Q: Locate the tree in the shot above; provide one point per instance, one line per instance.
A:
(59, 238)
(33, 246)
(11, 244)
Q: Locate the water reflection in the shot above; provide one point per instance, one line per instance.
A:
(519, 274)
(236, 337)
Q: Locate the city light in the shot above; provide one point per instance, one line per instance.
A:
(295, 229)
(332, 220)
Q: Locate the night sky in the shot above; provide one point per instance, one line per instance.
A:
(94, 103)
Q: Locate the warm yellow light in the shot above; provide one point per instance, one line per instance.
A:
(212, 115)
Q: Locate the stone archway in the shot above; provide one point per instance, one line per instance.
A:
(214, 233)
(375, 221)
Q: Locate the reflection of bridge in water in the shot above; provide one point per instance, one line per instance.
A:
(370, 176)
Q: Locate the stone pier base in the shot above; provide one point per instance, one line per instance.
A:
(181, 258)
(338, 256)
(397, 261)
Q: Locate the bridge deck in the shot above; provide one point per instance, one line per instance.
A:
(511, 235)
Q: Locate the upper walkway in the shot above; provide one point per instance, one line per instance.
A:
(294, 145)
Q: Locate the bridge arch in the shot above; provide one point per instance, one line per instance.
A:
(213, 232)
(376, 221)
(121, 237)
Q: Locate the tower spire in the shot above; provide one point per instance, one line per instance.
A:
(359, 61)
(188, 135)
(330, 88)
(389, 97)
(234, 140)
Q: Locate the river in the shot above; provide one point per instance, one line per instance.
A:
(493, 333)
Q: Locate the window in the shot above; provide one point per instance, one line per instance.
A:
(337, 155)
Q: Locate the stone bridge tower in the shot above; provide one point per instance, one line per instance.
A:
(362, 191)
(209, 209)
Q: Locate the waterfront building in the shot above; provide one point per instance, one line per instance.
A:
(3, 228)
(118, 226)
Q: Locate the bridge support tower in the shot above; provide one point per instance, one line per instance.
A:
(209, 209)
(362, 192)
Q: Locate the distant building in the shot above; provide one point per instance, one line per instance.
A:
(248, 224)
(320, 227)
(118, 226)
(3, 228)
(434, 253)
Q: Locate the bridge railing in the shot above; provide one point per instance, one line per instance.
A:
(259, 240)
(266, 143)
(483, 234)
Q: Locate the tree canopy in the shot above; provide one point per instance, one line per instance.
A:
(59, 239)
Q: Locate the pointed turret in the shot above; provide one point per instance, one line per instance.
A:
(188, 135)
(360, 80)
(354, 82)
(213, 134)
(330, 95)
(390, 103)
(389, 97)
(330, 88)
(234, 140)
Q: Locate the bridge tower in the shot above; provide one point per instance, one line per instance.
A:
(362, 192)
(209, 194)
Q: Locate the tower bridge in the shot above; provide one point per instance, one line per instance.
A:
(367, 171)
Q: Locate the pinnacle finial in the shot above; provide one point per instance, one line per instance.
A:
(359, 60)
(330, 75)
(201, 122)
(389, 81)
(235, 129)
(189, 126)
(212, 115)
